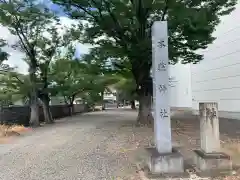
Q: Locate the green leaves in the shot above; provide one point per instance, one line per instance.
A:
(3, 55)
(126, 26)
(85, 78)
(40, 36)
(14, 86)
(27, 20)
(65, 79)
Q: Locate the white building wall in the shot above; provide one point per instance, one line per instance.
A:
(217, 77)
(109, 97)
(180, 91)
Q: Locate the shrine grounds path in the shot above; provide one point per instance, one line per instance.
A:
(101, 146)
(91, 146)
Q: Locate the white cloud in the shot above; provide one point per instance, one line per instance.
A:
(16, 57)
(16, 60)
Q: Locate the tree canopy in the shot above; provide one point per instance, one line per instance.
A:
(127, 24)
(27, 20)
(37, 31)
(122, 31)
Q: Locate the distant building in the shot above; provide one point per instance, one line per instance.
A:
(110, 95)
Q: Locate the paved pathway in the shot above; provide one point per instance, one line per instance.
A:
(76, 148)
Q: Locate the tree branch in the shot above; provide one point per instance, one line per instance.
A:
(19, 79)
(164, 10)
(22, 41)
(72, 98)
(99, 8)
(86, 11)
(118, 27)
(65, 99)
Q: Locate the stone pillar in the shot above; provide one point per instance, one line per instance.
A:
(209, 159)
(209, 127)
(163, 158)
(162, 124)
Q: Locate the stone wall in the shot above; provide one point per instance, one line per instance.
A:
(21, 114)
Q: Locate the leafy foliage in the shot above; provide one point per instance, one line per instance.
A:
(122, 31)
(28, 20)
(67, 80)
(14, 87)
(3, 55)
(126, 89)
(127, 26)
(83, 78)
(49, 49)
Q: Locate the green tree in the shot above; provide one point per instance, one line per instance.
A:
(27, 20)
(68, 80)
(49, 49)
(91, 98)
(79, 78)
(127, 26)
(3, 55)
(126, 86)
(99, 67)
(126, 90)
(14, 87)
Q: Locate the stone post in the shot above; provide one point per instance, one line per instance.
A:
(210, 159)
(163, 158)
(209, 127)
(162, 124)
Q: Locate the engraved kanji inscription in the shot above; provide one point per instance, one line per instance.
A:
(162, 66)
(211, 113)
(162, 88)
(163, 113)
(161, 44)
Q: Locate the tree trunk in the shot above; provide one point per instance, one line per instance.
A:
(133, 104)
(34, 108)
(145, 111)
(102, 101)
(46, 110)
(71, 108)
(34, 115)
(71, 105)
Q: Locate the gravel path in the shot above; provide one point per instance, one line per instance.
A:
(83, 147)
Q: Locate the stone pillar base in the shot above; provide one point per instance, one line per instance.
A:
(166, 164)
(212, 164)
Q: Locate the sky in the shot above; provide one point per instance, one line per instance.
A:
(16, 57)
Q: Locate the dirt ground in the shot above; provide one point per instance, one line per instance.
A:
(186, 135)
(124, 143)
(186, 132)
(93, 146)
